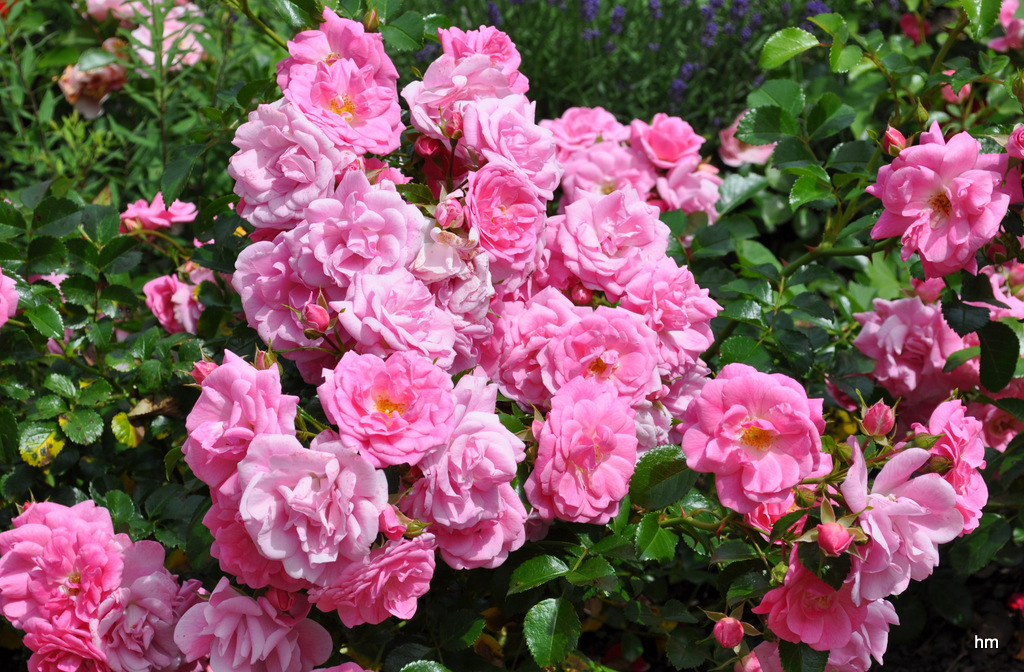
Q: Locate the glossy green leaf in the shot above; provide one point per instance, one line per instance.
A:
(535, 572)
(783, 93)
(801, 658)
(784, 45)
(1000, 350)
(83, 426)
(552, 629)
(653, 542)
(47, 321)
(983, 15)
(660, 478)
(765, 125)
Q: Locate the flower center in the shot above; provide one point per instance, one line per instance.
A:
(343, 107)
(385, 405)
(73, 586)
(757, 438)
(941, 208)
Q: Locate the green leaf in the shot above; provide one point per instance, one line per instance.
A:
(833, 24)
(124, 431)
(683, 651)
(829, 116)
(745, 350)
(95, 58)
(813, 305)
(973, 551)
(959, 357)
(590, 571)
(765, 125)
(120, 255)
(731, 551)
(62, 385)
(784, 45)
(792, 152)
(48, 406)
(552, 630)
(459, 630)
(31, 196)
(735, 190)
(753, 253)
(743, 310)
(289, 11)
(809, 189)
(9, 436)
(47, 321)
(121, 506)
(982, 14)
(843, 58)
(404, 33)
(385, 8)
(963, 318)
(1000, 350)
(177, 171)
(661, 478)
(425, 666)
(535, 572)
(83, 426)
(653, 542)
(801, 658)
(784, 93)
(56, 217)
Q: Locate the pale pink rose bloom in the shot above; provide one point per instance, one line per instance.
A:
(611, 346)
(671, 303)
(458, 273)
(606, 240)
(582, 127)
(237, 404)
(955, 98)
(284, 162)
(959, 454)
(100, 9)
(764, 658)
(757, 432)
(490, 41)
(154, 216)
(691, 189)
(910, 343)
(905, 517)
(1015, 143)
(998, 426)
(435, 102)
(805, 609)
(653, 426)
(59, 563)
(503, 130)
(396, 312)
(58, 647)
(240, 634)
(735, 152)
(87, 90)
(681, 393)
(180, 42)
(174, 303)
(8, 298)
(944, 199)
(313, 508)
(348, 105)
(606, 167)
(488, 543)
(585, 456)
(388, 583)
(134, 626)
(338, 38)
(393, 411)
(505, 208)
(551, 270)
(667, 141)
(1013, 28)
(869, 641)
(929, 290)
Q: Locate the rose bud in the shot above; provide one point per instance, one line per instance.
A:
(315, 317)
(879, 420)
(201, 370)
(834, 539)
(1015, 143)
(893, 142)
(728, 632)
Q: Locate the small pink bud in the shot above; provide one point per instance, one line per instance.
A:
(879, 420)
(581, 296)
(1017, 274)
(449, 213)
(748, 663)
(914, 28)
(893, 142)
(728, 632)
(996, 253)
(426, 146)
(1015, 143)
(315, 317)
(371, 20)
(265, 360)
(453, 126)
(834, 539)
(393, 523)
(201, 370)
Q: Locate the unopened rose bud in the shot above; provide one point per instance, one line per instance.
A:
(449, 213)
(937, 465)
(315, 318)
(748, 663)
(1016, 274)
(996, 253)
(893, 142)
(581, 296)
(265, 360)
(728, 632)
(1015, 143)
(921, 114)
(834, 539)
(805, 497)
(426, 146)
(879, 420)
(201, 370)
(453, 126)
(371, 20)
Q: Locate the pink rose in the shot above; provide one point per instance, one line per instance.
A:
(491, 42)
(1015, 143)
(867, 642)
(833, 538)
(691, 189)
(240, 634)
(180, 42)
(1013, 28)
(915, 28)
(666, 141)
(951, 97)
(581, 127)
(604, 168)
(879, 420)
(393, 411)
(728, 632)
(893, 141)
(8, 299)
(57, 648)
(284, 162)
(488, 542)
(757, 432)
(174, 303)
(735, 152)
(237, 404)
(388, 583)
(150, 217)
(585, 456)
(944, 201)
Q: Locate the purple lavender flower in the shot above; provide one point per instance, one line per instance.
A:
(618, 19)
(493, 13)
(676, 91)
(815, 7)
(653, 46)
(655, 8)
(707, 12)
(589, 10)
(739, 9)
(428, 53)
(590, 34)
(755, 20)
(610, 47)
(707, 40)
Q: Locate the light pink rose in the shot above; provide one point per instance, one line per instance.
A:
(488, 542)
(284, 162)
(606, 240)
(240, 634)
(585, 456)
(151, 217)
(998, 426)
(582, 127)
(182, 25)
(1013, 29)
(57, 647)
(805, 609)
(867, 642)
(100, 9)
(606, 167)
(505, 208)
(757, 432)
(490, 41)
(8, 298)
(312, 509)
(735, 152)
(393, 411)
(667, 141)
(691, 189)
(394, 313)
(59, 563)
(905, 517)
(388, 583)
(955, 98)
(174, 303)
(611, 346)
(1015, 143)
(943, 199)
(237, 404)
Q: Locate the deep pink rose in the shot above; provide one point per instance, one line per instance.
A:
(604, 168)
(582, 127)
(237, 404)
(58, 648)
(174, 303)
(667, 141)
(1015, 143)
(388, 583)
(735, 152)
(833, 538)
(240, 634)
(8, 299)
(914, 28)
(151, 217)
(728, 632)
(951, 97)
(585, 456)
(757, 432)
